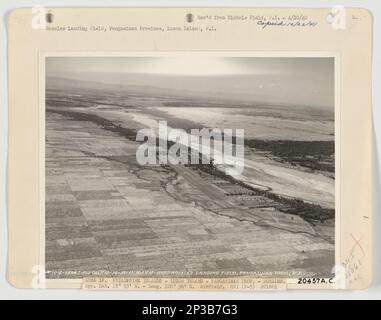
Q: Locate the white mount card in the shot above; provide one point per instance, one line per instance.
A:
(190, 148)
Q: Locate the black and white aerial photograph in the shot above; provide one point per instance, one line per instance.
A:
(189, 165)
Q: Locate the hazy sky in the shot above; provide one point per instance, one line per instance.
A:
(299, 81)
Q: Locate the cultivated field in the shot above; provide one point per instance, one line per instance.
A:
(106, 213)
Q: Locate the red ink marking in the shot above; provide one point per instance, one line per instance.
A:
(357, 244)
